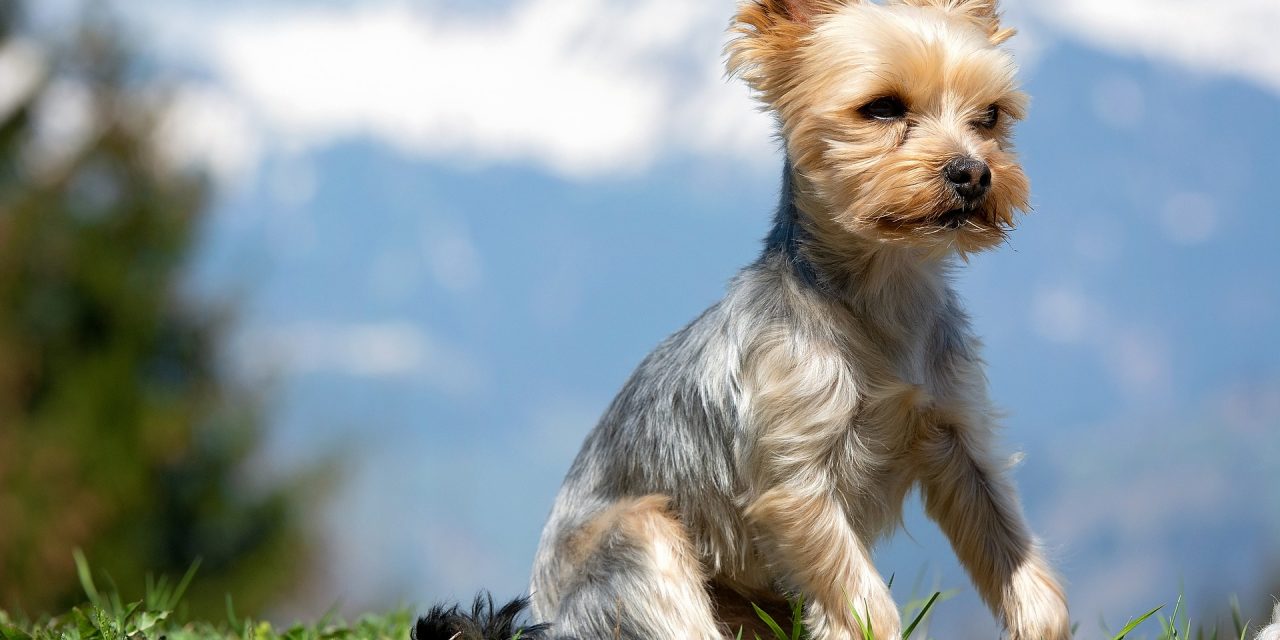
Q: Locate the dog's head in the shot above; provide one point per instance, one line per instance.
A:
(897, 116)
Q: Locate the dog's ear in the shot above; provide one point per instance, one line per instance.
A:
(984, 13)
(767, 35)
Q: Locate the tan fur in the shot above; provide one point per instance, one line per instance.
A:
(810, 537)
(863, 181)
(984, 13)
(681, 591)
(676, 588)
(789, 423)
(880, 180)
(801, 399)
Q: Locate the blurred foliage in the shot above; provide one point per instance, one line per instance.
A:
(119, 433)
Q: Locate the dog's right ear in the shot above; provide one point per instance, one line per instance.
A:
(767, 35)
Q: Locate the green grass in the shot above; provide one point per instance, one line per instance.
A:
(160, 616)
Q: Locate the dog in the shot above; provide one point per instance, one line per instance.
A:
(760, 453)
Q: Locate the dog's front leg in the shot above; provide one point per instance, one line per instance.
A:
(811, 541)
(969, 495)
(800, 404)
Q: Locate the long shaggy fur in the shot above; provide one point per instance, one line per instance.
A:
(482, 622)
(764, 449)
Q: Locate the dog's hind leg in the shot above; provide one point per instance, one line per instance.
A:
(632, 574)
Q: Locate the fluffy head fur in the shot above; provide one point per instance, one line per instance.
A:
(819, 64)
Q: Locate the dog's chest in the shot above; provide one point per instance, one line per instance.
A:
(900, 381)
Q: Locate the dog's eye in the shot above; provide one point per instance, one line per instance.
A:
(990, 118)
(886, 108)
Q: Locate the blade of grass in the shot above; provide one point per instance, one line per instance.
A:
(797, 618)
(1133, 624)
(231, 613)
(1236, 618)
(769, 621)
(180, 590)
(863, 625)
(924, 611)
(86, 578)
(1172, 629)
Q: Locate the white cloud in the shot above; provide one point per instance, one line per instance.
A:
(207, 126)
(1137, 357)
(1230, 37)
(582, 87)
(1062, 314)
(588, 87)
(1140, 359)
(393, 349)
(1189, 218)
(1252, 410)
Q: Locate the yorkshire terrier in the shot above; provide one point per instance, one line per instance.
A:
(759, 453)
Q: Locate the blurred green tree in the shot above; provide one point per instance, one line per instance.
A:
(119, 431)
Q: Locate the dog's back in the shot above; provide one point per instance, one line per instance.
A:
(657, 477)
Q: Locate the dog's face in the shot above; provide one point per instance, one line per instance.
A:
(897, 115)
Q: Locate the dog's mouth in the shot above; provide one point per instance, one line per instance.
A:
(955, 218)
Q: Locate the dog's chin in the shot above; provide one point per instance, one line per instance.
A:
(966, 239)
(968, 231)
(955, 219)
(954, 230)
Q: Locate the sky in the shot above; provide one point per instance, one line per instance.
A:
(453, 228)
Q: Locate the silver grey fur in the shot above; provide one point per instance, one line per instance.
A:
(676, 428)
(764, 449)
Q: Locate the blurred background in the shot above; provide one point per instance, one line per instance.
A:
(327, 293)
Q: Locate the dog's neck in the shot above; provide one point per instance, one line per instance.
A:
(790, 236)
(859, 271)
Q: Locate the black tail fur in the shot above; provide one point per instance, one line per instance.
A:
(483, 622)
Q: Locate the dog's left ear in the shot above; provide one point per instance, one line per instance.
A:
(984, 13)
(768, 37)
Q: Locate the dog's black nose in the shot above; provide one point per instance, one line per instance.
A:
(969, 177)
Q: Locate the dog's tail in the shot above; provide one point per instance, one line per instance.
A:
(482, 622)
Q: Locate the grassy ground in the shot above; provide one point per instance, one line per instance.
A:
(159, 616)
